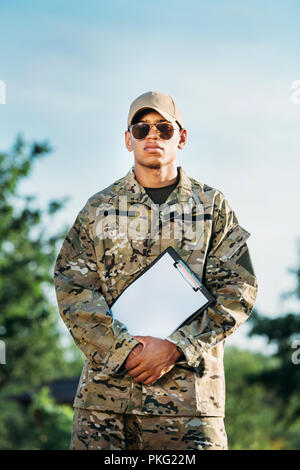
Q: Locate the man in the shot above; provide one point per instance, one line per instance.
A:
(142, 392)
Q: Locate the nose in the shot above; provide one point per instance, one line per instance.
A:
(154, 132)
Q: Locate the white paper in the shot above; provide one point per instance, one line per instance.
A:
(158, 301)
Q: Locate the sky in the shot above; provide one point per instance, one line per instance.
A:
(72, 69)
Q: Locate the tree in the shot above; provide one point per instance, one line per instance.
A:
(283, 378)
(29, 325)
(251, 418)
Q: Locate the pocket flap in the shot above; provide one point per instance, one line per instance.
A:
(232, 241)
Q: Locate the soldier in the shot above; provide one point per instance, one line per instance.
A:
(142, 392)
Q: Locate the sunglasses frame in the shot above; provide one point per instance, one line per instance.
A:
(154, 124)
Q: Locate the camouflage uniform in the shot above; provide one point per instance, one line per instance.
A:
(105, 430)
(92, 270)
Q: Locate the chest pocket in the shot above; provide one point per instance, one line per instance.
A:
(126, 248)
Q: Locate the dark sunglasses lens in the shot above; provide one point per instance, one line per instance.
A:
(166, 130)
(139, 130)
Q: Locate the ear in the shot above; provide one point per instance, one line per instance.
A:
(182, 140)
(128, 141)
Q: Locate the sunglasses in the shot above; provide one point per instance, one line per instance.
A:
(141, 129)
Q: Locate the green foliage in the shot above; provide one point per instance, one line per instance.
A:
(53, 423)
(43, 425)
(263, 408)
(284, 378)
(28, 320)
(251, 409)
(15, 425)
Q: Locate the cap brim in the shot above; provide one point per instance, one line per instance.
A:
(167, 116)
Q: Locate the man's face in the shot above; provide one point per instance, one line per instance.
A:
(153, 151)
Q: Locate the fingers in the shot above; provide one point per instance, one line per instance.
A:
(135, 351)
(134, 361)
(145, 376)
(150, 381)
(140, 374)
(142, 377)
(134, 354)
(137, 371)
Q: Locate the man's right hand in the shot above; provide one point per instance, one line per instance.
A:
(134, 352)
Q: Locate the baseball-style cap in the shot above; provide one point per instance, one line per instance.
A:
(160, 102)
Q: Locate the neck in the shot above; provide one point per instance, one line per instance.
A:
(155, 177)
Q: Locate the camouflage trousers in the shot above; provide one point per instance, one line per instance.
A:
(106, 430)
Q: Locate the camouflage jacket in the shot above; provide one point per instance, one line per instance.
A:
(98, 260)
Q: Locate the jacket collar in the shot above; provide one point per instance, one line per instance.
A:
(136, 193)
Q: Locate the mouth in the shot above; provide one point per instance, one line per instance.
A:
(152, 147)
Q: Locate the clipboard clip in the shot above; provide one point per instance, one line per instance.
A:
(187, 275)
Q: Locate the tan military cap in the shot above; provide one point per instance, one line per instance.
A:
(160, 102)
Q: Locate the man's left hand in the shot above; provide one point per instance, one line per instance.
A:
(156, 359)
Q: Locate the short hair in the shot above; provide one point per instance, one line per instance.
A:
(140, 114)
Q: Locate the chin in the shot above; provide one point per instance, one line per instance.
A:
(152, 161)
(153, 164)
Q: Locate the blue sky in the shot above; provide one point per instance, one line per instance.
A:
(72, 69)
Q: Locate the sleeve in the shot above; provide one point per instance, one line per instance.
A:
(82, 305)
(229, 275)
